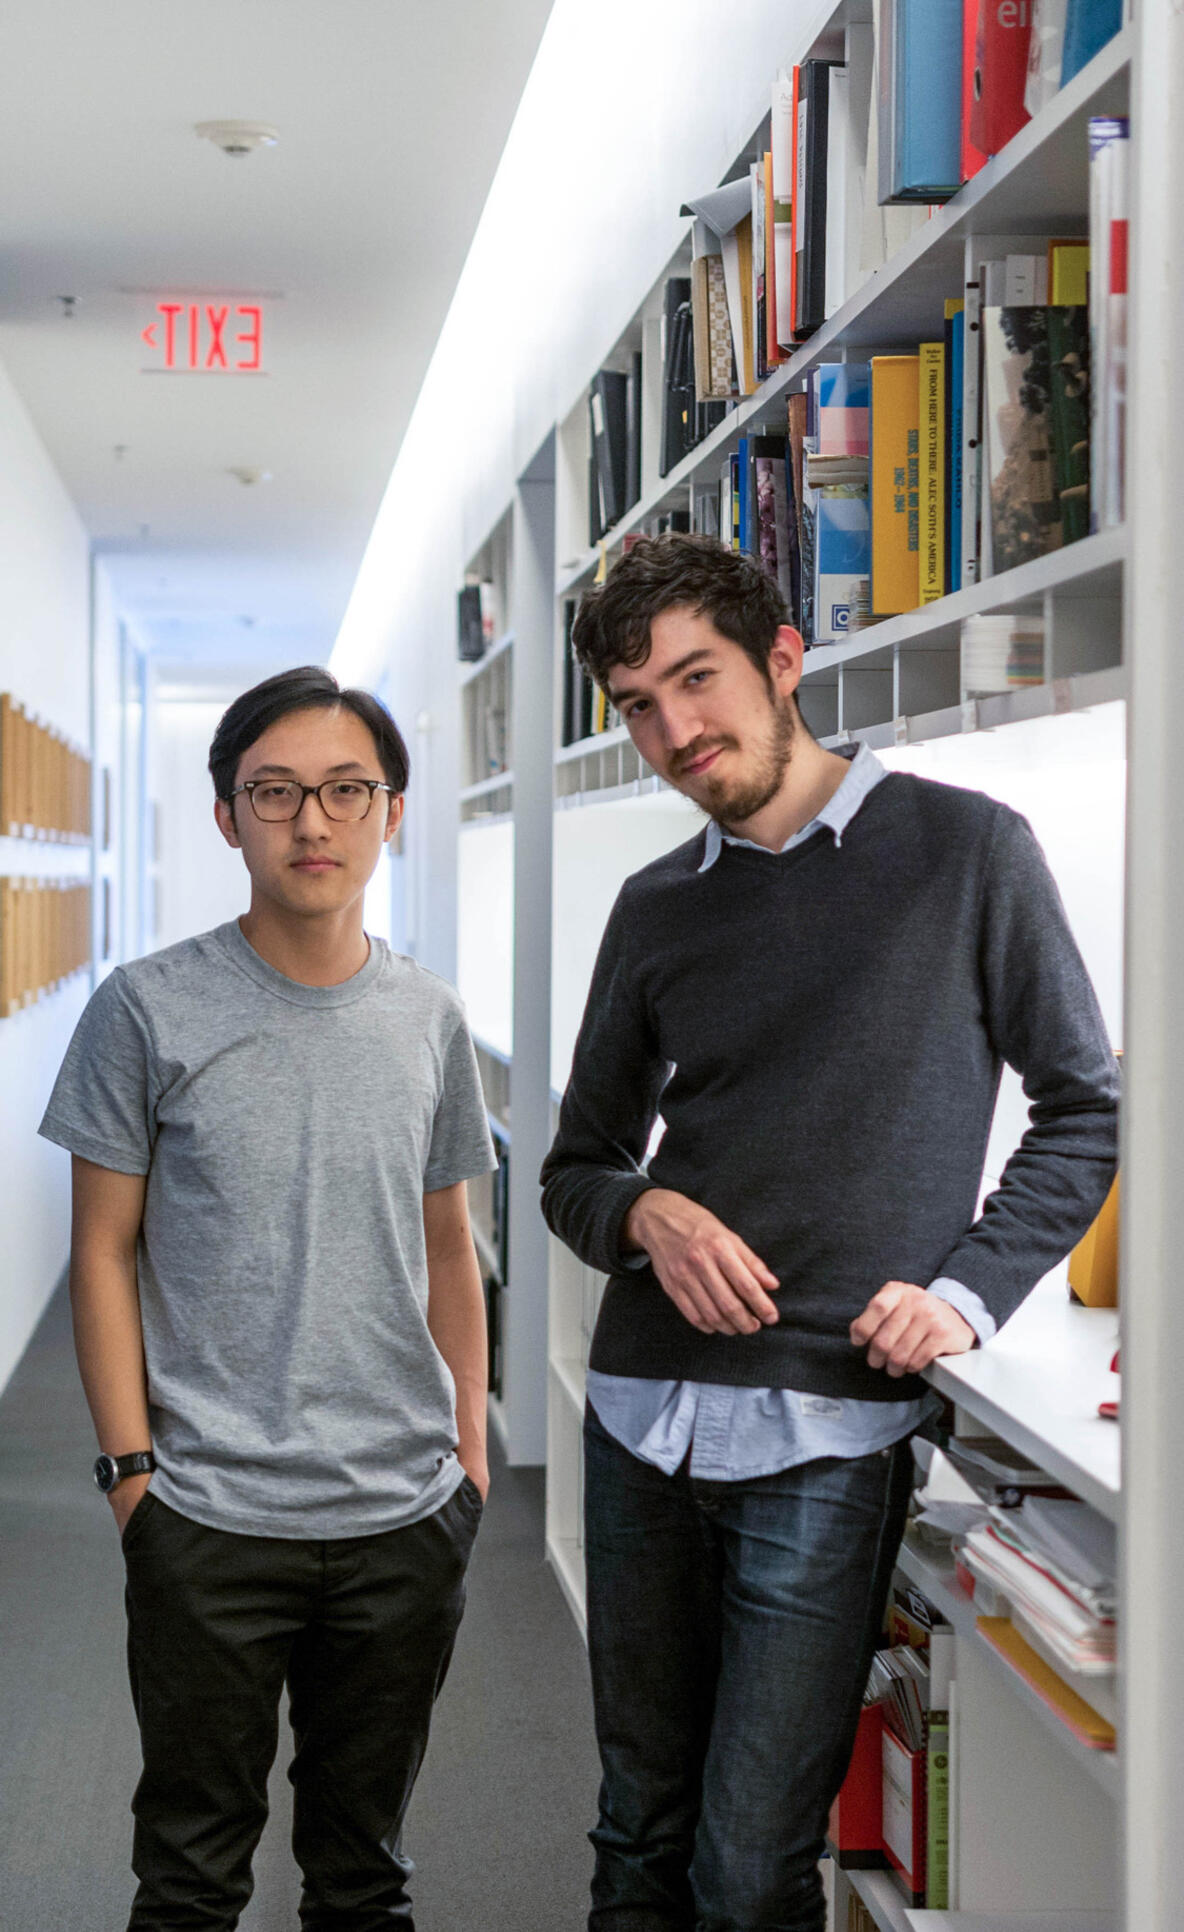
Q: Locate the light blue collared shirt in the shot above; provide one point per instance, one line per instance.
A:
(735, 1434)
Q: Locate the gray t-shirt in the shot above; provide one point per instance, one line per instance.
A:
(288, 1134)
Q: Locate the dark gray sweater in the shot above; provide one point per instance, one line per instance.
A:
(822, 1031)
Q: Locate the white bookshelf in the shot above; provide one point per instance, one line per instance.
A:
(896, 684)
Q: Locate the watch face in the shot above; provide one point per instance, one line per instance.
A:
(106, 1474)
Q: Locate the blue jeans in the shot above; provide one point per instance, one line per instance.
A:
(730, 1629)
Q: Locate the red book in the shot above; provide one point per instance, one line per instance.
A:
(972, 156)
(1002, 33)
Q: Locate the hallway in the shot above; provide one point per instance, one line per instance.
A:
(509, 1786)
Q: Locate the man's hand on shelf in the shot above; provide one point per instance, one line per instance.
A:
(713, 1278)
(904, 1328)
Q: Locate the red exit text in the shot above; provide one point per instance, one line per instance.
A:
(207, 338)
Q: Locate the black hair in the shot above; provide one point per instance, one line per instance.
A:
(265, 704)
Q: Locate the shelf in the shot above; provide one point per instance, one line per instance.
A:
(495, 1053)
(469, 671)
(1090, 568)
(883, 1898)
(1059, 696)
(935, 1578)
(486, 1252)
(570, 1377)
(566, 1558)
(1037, 184)
(917, 1920)
(599, 741)
(1038, 1386)
(499, 781)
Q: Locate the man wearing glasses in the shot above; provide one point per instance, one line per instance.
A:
(279, 1324)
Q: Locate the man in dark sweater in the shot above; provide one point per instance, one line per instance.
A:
(816, 994)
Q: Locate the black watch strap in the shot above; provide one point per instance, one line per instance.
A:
(111, 1470)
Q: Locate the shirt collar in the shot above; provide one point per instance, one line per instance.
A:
(864, 774)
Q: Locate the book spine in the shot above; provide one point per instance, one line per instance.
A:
(931, 406)
(783, 171)
(937, 1813)
(971, 432)
(810, 195)
(928, 103)
(1002, 38)
(973, 156)
(797, 209)
(895, 484)
(954, 447)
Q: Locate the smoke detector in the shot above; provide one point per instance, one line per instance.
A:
(249, 475)
(238, 138)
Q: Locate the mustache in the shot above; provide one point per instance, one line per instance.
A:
(700, 750)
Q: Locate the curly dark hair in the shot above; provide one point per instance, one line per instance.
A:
(612, 625)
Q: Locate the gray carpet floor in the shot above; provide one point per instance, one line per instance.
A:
(509, 1787)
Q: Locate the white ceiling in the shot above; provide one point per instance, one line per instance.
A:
(392, 116)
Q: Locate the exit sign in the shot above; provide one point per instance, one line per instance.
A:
(207, 338)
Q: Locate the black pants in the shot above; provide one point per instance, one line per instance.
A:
(361, 1630)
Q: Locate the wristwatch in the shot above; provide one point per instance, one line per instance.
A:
(111, 1470)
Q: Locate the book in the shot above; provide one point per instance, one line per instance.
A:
(1001, 651)
(1081, 1718)
(972, 155)
(633, 401)
(1045, 53)
(1068, 272)
(1108, 213)
(795, 211)
(773, 351)
(937, 1770)
(931, 404)
(810, 192)
(470, 628)
(839, 403)
(782, 150)
(1002, 33)
(796, 410)
(1068, 363)
(971, 570)
(714, 371)
(760, 320)
(609, 443)
(926, 142)
(955, 317)
(1089, 24)
(842, 559)
(1020, 486)
(838, 191)
(895, 484)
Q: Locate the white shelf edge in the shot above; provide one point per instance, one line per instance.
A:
(473, 668)
(1025, 1436)
(954, 223)
(1026, 584)
(563, 1554)
(599, 741)
(494, 1052)
(918, 1919)
(610, 794)
(937, 1582)
(486, 1253)
(883, 1898)
(500, 781)
(1056, 698)
(569, 1375)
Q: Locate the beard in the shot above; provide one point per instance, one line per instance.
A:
(734, 801)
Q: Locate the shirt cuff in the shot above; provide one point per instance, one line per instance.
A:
(968, 1305)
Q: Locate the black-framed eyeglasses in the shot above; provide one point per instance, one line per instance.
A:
(344, 799)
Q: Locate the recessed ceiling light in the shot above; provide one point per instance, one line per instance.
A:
(248, 475)
(238, 138)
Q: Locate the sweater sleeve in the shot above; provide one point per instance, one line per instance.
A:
(594, 1173)
(1043, 1019)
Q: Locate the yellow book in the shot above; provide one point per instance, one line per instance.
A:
(895, 484)
(1081, 1718)
(1093, 1264)
(931, 409)
(747, 319)
(1068, 274)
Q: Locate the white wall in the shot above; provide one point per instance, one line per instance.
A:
(44, 653)
(619, 122)
(201, 881)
